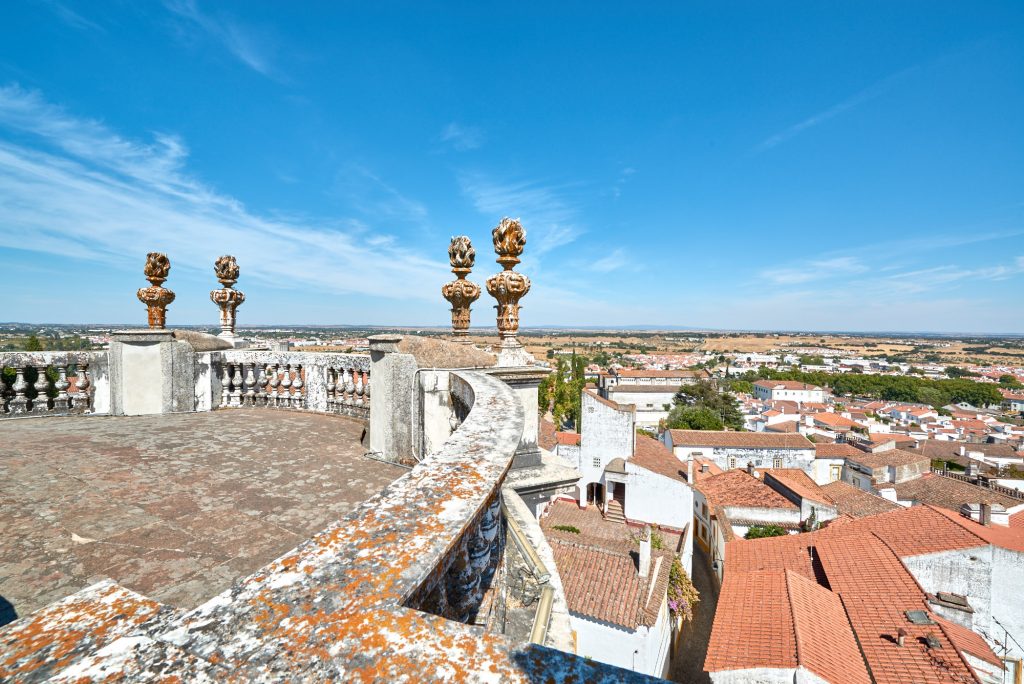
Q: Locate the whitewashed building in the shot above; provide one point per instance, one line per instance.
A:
(789, 390)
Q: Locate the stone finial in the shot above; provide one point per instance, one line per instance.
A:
(460, 292)
(155, 297)
(227, 298)
(508, 287)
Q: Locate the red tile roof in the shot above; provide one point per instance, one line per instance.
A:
(839, 450)
(568, 438)
(798, 482)
(783, 620)
(650, 454)
(854, 501)
(950, 493)
(834, 420)
(739, 440)
(876, 590)
(546, 435)
(785, 384)
(891, 457)
(737, 488)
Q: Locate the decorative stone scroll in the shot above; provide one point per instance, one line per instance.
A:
(460, 292)
(155, 297)
(508, 287)
(227, 298)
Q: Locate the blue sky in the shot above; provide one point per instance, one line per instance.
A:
(766, 165)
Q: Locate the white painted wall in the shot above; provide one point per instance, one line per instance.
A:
(821, 470)
(141, 370)
(654, 498)
(608, 433)
(644, 650)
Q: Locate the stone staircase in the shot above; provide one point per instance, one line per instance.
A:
(613, 512)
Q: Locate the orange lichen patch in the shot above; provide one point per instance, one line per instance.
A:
(52, 638)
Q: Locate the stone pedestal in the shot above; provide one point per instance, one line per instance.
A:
(151, 373)
(524, 381)
(391, 422)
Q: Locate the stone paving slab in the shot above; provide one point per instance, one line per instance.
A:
(174, 507)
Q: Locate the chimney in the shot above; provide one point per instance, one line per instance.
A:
(901, 634)
(689, 471)
(645, 552)
(750, 468)
(985, 517)
(703, 467)
(963, 450)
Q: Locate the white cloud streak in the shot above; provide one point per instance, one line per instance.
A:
(82, 191)
(866, 95)
(819, 269)
(250, 48)
(462, 138)
(549, 221)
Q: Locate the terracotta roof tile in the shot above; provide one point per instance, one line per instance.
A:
(838, 450)
(798, 482)
(737, 488)
(650, 454)
(568, 438)
(856, 502)
(891, 457)
(755, 440)
(546, 435)
(950, 493)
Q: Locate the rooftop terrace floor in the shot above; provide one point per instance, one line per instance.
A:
(175, 507)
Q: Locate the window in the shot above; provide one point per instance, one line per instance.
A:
(776, 463)
(704, 510)
(732, 462)
(597, 461)
(835, 472)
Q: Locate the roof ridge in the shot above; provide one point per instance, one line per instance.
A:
(792, 615)
(956, 520)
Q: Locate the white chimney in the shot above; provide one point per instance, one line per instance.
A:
(689, 471)
(645, 552)
(888, 493)
(963, 450)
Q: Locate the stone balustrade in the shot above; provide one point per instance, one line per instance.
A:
(314, 381)
(47, 383)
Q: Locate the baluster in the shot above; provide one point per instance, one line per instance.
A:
(359, 389)
(4, 390)
(62, 403)
(250, 386)
(225, 384)
(286, 386)
(297, 398)
(261, 383)
(350, 391)
(275, 381)
(330, 389)
(19, 403)
(366, 393)
(82, 399)
(41, 404)
(236, 385)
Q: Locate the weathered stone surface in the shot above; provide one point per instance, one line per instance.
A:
(174, 507)
(202, 342)
(431, 352)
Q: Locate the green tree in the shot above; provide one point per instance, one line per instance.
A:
(705, 394)
(33, 344)
(1010, 381)
(693, 418)
(761, 531)
(932, 396)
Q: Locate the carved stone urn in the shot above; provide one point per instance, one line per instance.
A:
(460, 292)
(508, 287)
(155, 297)
(227, 298)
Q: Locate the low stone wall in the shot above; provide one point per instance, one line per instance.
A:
(53, 383)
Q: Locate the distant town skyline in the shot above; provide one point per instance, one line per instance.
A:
(775, 167)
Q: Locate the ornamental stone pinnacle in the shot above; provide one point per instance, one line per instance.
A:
(460, 292)
(227, 298)
(155, 297)
(508, 287)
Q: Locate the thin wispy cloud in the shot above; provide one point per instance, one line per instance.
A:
(462, 138)
(80, 190)
(71, 17)
(253, 48)
(866, 95)
(943, 277)
(550, 221)
(612, 261)
(818, 269)
(371, 195)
